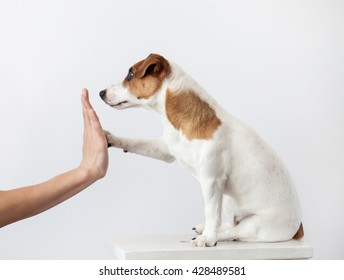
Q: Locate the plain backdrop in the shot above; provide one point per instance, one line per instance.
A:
(277, 65)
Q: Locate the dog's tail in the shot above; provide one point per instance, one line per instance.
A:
(299, 234)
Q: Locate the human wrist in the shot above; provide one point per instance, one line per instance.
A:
(87, 174)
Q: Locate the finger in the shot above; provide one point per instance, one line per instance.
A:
(86, 100)
(95, 123)
(91, 114)
(86, 117)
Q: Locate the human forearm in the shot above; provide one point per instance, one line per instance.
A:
(25, 202)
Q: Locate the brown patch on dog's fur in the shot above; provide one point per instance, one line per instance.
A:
(148, 76)
(191, 115)
(299, 234)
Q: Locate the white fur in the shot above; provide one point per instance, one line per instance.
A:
(237, 170)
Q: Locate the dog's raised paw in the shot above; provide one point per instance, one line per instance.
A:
(112, 140)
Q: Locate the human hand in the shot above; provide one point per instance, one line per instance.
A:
(95, 147)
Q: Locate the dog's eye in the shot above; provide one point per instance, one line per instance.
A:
(130, 75)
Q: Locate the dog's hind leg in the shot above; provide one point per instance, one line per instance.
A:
(154, 148)
(257, 228)
(245, 230)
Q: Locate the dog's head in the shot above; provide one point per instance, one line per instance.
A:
(143, 81)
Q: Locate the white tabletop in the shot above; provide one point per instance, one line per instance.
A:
(174, 247)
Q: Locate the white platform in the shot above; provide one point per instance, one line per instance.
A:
(175, 247)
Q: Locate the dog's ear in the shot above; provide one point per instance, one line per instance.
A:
(155, 65)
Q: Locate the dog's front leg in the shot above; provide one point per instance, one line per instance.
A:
(154, 148)
(213, 192)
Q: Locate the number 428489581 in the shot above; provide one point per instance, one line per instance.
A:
(231, 270)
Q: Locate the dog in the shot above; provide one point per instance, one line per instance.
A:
(240, 175)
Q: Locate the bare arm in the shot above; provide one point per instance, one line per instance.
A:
(25, 202)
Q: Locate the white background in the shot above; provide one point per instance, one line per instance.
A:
(278, 65)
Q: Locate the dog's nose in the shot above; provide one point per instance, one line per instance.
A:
(102, 93)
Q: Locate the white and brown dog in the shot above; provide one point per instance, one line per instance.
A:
(240, 175)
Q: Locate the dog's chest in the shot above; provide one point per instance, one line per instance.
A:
(187, 153)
